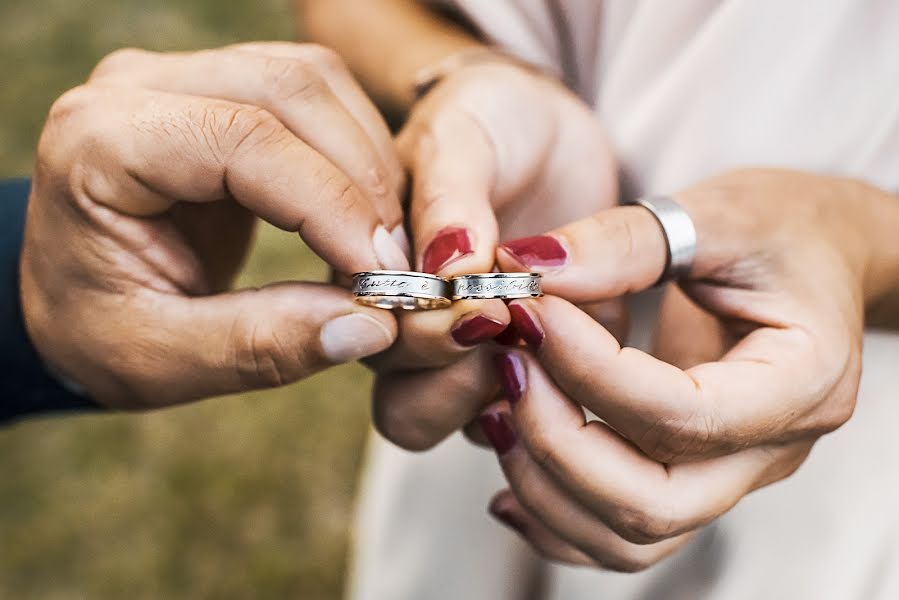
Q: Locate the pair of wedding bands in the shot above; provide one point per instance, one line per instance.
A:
(410, 290)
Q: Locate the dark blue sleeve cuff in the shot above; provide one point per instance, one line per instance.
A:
(26, 387)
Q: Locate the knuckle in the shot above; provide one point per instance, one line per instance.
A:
(242, 128)
(118, 61)
(625, 562)
(291, 80)
(323, 56)
(676, 438)
(396, 419)
(645, 523)
(260, 359)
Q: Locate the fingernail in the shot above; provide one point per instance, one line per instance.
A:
(402, 240)
(353, 336)
(450, 244)
(498, 431)
(538, 251)
(511, 374)
(508, 518)
(389, 253)
(527, 326)
(508, 337)
(476, 330)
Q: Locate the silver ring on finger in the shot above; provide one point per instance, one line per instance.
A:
(405, 290)
(506, 286)
(679, 232)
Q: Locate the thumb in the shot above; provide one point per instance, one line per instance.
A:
(264, 337)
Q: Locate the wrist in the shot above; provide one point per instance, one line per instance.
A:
(881, 274)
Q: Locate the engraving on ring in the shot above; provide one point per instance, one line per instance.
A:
(498, 286)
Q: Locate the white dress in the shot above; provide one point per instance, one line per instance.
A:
(687, 89)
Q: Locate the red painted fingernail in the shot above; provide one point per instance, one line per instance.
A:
(510, 370)
(538, 251)
(508, 337)
(508, 518)
(449, 245)
(496, 427)
(476, 330)
(527, 326)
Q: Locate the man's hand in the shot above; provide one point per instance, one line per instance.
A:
(766, 353)
(148, 182)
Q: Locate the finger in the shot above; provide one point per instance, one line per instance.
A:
(561, 515)
(200, 150)
(508, 511)
(341, 80)
(642, 500)
(293, 89)
(438, 337)
(762, 391)
(248, 340)
(609, 254)
(418, 409)
(453, 222)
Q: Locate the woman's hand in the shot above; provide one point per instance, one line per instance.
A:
(148, 182)
(495, 150)
(769, 343)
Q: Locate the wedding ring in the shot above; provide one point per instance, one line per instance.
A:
(407, 290)
(679, 232)
(507, 286)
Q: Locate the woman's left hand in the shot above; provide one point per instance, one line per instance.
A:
(772, 329)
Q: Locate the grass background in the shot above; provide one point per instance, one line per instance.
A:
(241, 497)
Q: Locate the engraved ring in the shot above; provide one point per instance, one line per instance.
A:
(407, 290)
(679, 232)
(497, 285)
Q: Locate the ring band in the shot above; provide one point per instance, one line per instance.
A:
(406, 290)
(507, 286)
(679, 232)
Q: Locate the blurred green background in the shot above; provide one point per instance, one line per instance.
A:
(241, 497)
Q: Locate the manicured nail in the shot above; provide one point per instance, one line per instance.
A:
(508, 518)
(353, 336)
(498, 431)
(389, 253)
(508, 337)
(449, 245)
(510, 370)
(527, 326)
(399, 236)
(476, 330)
(538, 251)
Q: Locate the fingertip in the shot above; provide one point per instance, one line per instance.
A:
(357, 335)
(388, 250)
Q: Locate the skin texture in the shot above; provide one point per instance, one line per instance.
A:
(482, 171)
(758, 354)
(149, 180)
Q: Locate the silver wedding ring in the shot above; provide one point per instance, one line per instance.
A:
(407, 290)
(679, 232)
(507, 286)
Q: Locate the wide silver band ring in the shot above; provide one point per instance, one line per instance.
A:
(507, 286)
(405, 290)
(679, 231)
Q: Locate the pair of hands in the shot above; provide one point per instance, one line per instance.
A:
(150, 177)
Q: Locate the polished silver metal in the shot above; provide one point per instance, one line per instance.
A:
(507, 286)
(407, 290)
(679, 231)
